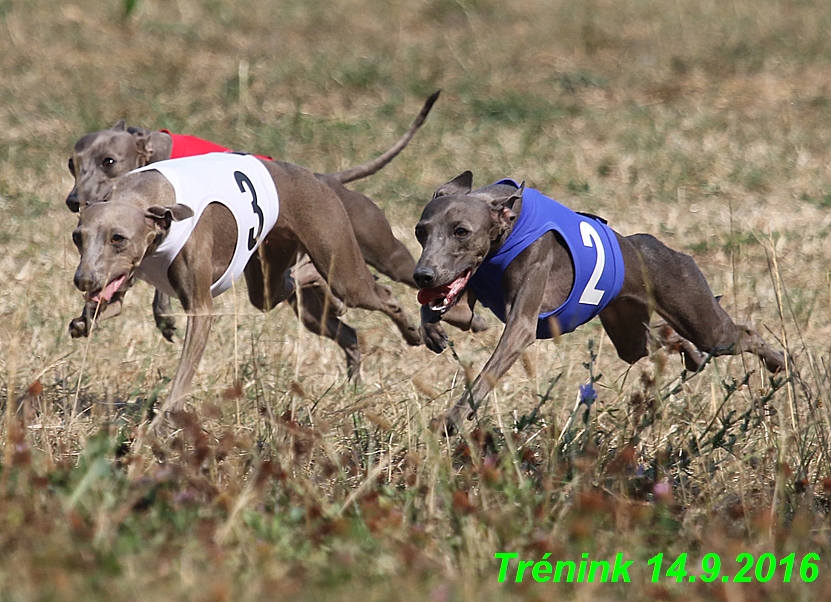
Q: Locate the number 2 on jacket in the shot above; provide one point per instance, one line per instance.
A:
(592, 295)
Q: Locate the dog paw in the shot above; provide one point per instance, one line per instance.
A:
(477, 324)
(353, 364)
(79, 327)
(443, 426)
(435, 338)
(775, 362)
(167, 326)
(412, 336)
(452, 422)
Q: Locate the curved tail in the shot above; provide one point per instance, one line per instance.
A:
(370, 167)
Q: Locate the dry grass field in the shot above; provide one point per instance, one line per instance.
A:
(705, 123)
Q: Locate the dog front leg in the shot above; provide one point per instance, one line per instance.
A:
(191, 275)
(196, 338)
(519, 333)
(431, 331)
(460, 315)
(82, 325)
(524, 287)
(161, 314)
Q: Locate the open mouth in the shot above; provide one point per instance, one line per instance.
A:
(442, 298)
(106, 294)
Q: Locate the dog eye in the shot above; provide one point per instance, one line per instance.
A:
(117, 239)
(460, 232)
(76, 238)
(71, 166)
(420, 233)
(107, 162)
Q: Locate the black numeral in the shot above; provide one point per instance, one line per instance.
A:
(242, 179)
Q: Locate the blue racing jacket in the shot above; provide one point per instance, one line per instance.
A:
(595, 254)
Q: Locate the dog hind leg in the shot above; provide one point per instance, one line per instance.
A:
(320, 319)
(270, 286)
(626, 322)
(684, 299)
(319, 311)
(334, 251)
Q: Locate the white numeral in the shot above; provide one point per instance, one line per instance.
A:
(592, 295)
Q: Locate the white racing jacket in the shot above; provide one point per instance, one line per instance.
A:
(241, 183)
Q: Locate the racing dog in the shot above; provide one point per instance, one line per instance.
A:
(544, 270)
(191, 226)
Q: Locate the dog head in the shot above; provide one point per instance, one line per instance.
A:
(112, 239)
(100, 157)
(458, 229)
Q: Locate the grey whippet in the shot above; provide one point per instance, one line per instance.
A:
(116, 238)
(464, 233)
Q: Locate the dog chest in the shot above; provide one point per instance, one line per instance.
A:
(239, 182)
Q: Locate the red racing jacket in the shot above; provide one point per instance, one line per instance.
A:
(191, 146)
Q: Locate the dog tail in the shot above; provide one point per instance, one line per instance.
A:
(369, 168)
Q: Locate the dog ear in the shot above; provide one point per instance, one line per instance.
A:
(506, 209)
(162, 217)
(461, 184)
(144, 145)
(119, 126)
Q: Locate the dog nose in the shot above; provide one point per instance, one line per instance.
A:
(72, 201)
(83, 281)
(424, 276)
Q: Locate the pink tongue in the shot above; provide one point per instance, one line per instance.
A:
(110, 289)
(426, 295)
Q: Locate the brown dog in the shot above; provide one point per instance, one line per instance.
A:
(124, 237)
(543, 268)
